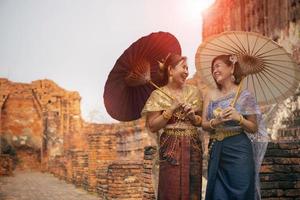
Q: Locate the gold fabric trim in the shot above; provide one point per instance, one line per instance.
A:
(181, 132)
(221, 134)
(180, 125)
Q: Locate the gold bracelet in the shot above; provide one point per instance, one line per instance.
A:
(210, 124)
(166, 115)
(198, 120)
(241, 119)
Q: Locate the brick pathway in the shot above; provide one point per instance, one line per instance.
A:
(40, 186)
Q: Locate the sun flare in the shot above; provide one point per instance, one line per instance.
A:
(196, 7)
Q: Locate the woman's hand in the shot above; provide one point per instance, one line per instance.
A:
(225, 115)
(230, 113)
(189, 112)
(175, 105)
(158, 120)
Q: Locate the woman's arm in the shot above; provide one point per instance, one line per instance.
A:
(213, 123)
(206, 124)
(249, 123)
(156, 121)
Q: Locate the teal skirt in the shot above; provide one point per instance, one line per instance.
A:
(231, 169)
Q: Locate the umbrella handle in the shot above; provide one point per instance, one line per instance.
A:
(238, 92)
(160, 89)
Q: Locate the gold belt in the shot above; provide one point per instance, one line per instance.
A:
(181, 132)
(222, 134)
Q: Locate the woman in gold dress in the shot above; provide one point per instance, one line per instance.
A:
(173, 112)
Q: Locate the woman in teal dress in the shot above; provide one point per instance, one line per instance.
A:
(231, 170)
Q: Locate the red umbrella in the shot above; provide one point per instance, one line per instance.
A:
(135, 73)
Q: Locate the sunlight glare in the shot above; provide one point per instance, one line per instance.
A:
(196, 7)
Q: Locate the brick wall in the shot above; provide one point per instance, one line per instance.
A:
(28, 159)
(125, 179)
(148, 178)
(280, 172)
(102, 148)
(6, 165)
(46, 114)
(266, 17)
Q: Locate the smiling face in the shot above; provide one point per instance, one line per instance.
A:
(221, 71)
(180, 72)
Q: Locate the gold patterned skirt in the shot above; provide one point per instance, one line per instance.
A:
(180, 172)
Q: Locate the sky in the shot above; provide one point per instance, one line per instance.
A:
(76, 43)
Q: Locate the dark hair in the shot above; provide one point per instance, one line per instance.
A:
(171, 60)
(237, 73)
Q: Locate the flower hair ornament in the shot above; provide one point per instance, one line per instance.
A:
(233, 59)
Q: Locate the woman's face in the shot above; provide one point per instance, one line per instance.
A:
(221, 71)
(180, 72)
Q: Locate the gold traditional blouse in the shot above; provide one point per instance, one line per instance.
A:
(176, 131)
(159, 101)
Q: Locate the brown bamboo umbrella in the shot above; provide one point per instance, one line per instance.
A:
(269, 71)
(135, 75)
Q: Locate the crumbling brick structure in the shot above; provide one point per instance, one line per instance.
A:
(41, 128)
(35, 118)
(6, 165)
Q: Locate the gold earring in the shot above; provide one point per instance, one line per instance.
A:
(232, 78)
(170, 78)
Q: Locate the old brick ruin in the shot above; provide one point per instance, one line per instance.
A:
(280, 172)
(42, 129)
(41, 126)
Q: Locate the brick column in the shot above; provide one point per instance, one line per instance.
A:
(148, 184)
(125, 180)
